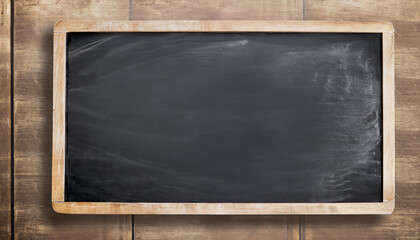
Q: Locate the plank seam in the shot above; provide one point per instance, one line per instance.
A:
(12, 131)
(132, 227)
(303, 9)
(130, 10)
(302, 227)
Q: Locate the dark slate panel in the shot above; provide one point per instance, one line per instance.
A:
(224, 117)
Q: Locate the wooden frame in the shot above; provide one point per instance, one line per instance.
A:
(58, 148)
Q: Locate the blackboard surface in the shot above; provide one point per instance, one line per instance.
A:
(223, 117)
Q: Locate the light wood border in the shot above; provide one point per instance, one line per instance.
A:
(58, 148)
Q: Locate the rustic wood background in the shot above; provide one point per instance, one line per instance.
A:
(25, 127)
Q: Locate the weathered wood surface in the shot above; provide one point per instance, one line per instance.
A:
(404, 223)
(34, 216)
(216, 227)
(217, 10)
(33, 89)
(5, 120)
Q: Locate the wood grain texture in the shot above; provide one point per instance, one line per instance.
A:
(224, 26)
(388, 116)
(404, 223)
(34, 216)
(223, 208)
(5, 121)
(59, 113)
(217, 10)
(216, 227)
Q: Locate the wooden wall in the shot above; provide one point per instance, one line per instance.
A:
(25, 126)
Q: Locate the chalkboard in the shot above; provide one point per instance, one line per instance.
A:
(223, 117)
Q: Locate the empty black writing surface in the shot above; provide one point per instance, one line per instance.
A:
(223, 117)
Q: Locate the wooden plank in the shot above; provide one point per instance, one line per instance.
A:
(358, 227)
(388, 113)
(223, 208)
(5, 121)
(223, 26)
(34, 216)
(215, 227)
(59, 115)
(405, 222)
(217, 10)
